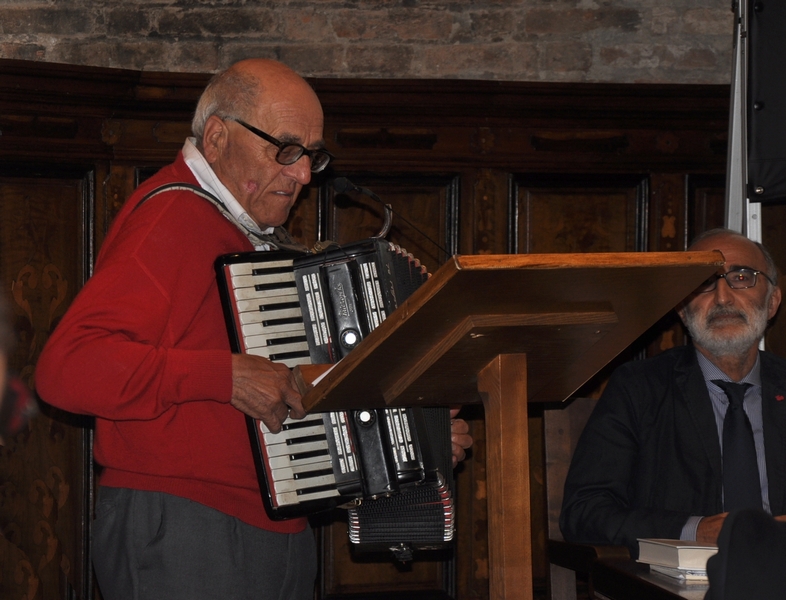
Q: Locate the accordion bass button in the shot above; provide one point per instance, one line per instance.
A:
(350, 338)
(365, 418)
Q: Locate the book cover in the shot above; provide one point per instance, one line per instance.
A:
(687, 576)
(675, 553)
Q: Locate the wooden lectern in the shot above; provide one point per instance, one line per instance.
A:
(507, 330)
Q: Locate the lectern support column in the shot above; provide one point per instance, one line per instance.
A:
(503, 387)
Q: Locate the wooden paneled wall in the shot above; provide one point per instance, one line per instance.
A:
(467, 167)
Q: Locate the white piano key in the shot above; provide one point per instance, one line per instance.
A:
(290, 472)
(250, 292)
(249, 267)
(280, 449)
(244, 281)
(297, 447)
(291, 498)
(267, 333)
(258, 329)
(258, 317)
(329, 493)
(267, 351)
(285, 461)
(293, 423)
(279, 339)
(269, 303)
(293, 435)
(281, 347)
(291, 485)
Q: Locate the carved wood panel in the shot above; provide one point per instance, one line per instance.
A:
(706, 204)
(579, 213)
(667, 219)
(44, 480)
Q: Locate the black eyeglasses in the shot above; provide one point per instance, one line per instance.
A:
(290, 152)
(738, 279)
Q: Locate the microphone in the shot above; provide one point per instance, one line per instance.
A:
(342, 185)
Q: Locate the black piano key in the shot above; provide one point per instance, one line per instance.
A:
(276, 285)
(309, 474)
(269, 269)
(294, 339)
(315, 489)
(273, 306)
(295, 424)
(285, 321)
(304, 455)
(288, 355)
(306, 439)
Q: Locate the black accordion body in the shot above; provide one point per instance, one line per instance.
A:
(391, 467)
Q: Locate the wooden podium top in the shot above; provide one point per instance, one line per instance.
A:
(569, 313)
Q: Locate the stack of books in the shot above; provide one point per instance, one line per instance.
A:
(683, 560)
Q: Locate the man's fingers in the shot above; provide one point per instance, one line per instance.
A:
(264, 390)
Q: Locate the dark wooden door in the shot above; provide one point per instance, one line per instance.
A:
(45, 474)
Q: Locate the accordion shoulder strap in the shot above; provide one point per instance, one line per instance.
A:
(279, 239)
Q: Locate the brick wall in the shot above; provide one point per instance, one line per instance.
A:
(653, 41)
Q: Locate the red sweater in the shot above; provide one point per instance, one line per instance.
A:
(144, 349)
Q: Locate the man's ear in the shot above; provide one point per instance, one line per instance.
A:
(775, 302)
(680, 310)
(213, 138)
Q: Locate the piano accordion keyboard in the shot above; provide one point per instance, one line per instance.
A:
(268, 322)
(269, 319)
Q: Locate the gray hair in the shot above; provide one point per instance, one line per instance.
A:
(772, 269)
(228, 94)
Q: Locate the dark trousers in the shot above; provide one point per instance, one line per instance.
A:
(154, 546)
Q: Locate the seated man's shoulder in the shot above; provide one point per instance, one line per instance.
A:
(660, 365)
(773, 362)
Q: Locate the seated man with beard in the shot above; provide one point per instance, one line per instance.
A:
(655, 459)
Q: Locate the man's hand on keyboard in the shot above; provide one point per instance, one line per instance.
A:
(265, 390)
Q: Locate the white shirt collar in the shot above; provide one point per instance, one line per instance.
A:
(209, 181)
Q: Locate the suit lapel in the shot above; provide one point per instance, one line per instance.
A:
(773, 406)
(696, 399)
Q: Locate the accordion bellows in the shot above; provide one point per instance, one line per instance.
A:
(391, 467)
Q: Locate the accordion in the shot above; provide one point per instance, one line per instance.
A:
(390, 467)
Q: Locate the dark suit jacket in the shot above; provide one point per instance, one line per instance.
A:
(649, 456)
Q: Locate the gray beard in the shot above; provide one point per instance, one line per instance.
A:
(719, 344)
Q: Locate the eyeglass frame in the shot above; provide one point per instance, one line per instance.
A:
(281, 145)
(713, 280)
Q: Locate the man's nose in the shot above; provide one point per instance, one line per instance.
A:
(300, 170)
(723, 292)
